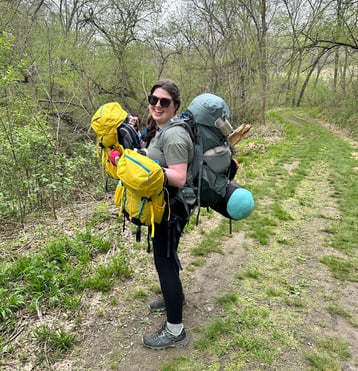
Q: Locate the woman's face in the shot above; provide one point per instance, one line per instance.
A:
(160, 114)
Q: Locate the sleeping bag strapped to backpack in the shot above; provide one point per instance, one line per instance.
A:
(110, 123)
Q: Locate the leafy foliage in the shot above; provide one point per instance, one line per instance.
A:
(57, 276)
(38, 172)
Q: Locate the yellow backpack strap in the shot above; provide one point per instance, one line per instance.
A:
(152, 219)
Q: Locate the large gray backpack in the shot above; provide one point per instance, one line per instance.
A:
(206, 119)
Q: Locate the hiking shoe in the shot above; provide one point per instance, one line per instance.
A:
(163, 339)
(159, 305)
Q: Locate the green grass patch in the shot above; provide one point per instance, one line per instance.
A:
(57, 276)
(140, 293)
(228, 300)
(212, 241)
(57, 339)
(101, 214)
(329, 354)
(338, 310)
(245, 335)
(105, 275)
(249, 273)
(341, 269)
(198, 262)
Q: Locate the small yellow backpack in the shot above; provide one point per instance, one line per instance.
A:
(110, 125)
(141, 191)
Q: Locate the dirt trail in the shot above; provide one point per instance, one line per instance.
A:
(114, 342)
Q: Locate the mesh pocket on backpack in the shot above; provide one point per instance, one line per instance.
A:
(218, 158)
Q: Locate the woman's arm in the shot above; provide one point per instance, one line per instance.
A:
(176, 174)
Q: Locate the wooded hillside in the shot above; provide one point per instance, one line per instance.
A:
(60, 60)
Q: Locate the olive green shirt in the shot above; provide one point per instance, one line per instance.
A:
(172, 146)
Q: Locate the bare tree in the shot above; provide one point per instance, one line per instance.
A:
(120, 24)
(321, 31)
(258, 13)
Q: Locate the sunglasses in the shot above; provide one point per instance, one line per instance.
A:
(164, 102)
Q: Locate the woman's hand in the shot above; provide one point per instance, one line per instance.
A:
(142, 151)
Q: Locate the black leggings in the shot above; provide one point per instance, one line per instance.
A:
(165, 246)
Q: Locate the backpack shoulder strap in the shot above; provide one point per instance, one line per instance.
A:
(179, 121)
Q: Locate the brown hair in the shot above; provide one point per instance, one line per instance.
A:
(173, 90)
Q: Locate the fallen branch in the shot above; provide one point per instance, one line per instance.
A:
(239, 133)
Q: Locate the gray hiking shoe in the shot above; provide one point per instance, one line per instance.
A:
(163, 339)
(159, 305)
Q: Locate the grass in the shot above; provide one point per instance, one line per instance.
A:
(341, 268)
(56, 278)
(57, 339)
(263, 314)
(329, 354)
(247, 335)
(337, 310)
(56, 272)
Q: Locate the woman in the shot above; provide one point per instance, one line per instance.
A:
(173, 149)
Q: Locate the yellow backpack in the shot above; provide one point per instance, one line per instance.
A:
(110, 125)
(140, 193)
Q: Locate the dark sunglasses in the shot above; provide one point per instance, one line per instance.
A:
(164, 102)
